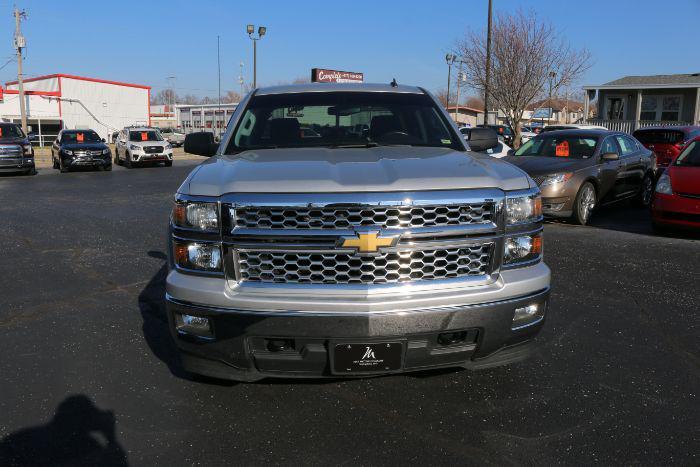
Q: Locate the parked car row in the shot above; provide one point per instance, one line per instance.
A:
(579, 168)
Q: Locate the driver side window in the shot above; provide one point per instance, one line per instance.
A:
(609, 146)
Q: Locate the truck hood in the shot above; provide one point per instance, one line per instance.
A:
(325, 170)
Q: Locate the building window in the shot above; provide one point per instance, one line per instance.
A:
(661, 108)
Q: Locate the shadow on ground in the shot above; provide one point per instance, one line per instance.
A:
(78, 434)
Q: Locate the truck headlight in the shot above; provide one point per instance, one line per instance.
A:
(521, 249)
(664, 184)
(27, 149)
(523, 209)
(196, 215)
(168, 146)
(197, 256)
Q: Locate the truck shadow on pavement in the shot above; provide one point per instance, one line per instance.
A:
(156, 331)
(78, 434)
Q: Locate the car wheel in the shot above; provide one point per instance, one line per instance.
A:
(646, 192)
(584, 203)
(53, 161)
(127, 161)
(61, 167)
(31, 171)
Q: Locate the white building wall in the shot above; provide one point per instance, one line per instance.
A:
(112, 106)
(37, 107)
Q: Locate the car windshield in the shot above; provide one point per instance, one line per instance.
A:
(11, 131)
(87, 136)
(573, 147)
(690, 157)
(341, 119)
(145, 135)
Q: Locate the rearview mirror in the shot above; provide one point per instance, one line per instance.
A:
(610, 156)
(482, 139)
(511, 152)
(201, 143)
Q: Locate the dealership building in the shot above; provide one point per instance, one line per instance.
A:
(58, 101)
(204, 117)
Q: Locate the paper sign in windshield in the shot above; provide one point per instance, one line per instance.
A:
(144, 136)
(80, 137)
(562, 149)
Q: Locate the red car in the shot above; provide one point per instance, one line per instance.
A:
(676, 201)
(666, 141)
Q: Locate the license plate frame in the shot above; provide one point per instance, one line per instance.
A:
(364, 358)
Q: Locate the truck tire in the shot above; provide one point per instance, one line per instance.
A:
(584, 204)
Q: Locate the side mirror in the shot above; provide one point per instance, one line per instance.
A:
(32, 137)
(201, 143)
(610, 156)
(482, 139)
(103, 140)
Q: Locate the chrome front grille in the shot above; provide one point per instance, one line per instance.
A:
(11, 151)
(348, 216)
(286, 267)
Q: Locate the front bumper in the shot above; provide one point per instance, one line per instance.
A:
(102, 160)
(19, 164)
(676, 211)
(152, 157)
(239, 347)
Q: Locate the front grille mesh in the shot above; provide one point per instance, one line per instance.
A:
(343, 217)
(384, 268)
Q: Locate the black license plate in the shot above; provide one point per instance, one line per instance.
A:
(367, 358)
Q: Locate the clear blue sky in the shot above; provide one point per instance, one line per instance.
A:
(146, 41)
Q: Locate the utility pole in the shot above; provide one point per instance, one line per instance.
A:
(488, 66)
(450, 59)
(218, 64)
(20, 43)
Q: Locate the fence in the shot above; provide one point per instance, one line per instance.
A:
(628, 126)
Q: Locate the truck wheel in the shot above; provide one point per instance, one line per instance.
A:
(646, 192)
(584, 204)
(31, 171)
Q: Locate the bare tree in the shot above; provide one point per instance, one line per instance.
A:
(189, 99)
(441, 95)
(231, 97)
(474, 102)
(526, 54)
(165, 96)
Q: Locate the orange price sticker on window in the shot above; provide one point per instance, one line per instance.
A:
(0, 132)
(80, 137)
(144, 136)
(562, 149)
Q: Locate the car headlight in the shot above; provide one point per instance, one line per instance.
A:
(168, 146)
(523, 209)
(197, 256)
(68, 152)
(557, 178)
(196, 215)
(133, 147)
(664, 185)
(523, 248)
(105, 152)
(27, 149)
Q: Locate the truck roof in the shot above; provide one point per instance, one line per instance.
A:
(337, 87)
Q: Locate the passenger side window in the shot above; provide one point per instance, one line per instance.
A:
(609, 146)
(626, 145)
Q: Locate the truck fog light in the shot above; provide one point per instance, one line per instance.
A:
(197, 256)
(527, 315)
(190, 324)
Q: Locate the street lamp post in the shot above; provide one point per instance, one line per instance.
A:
(250, 29)
(450, 59)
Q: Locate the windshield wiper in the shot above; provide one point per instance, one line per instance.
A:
(368, 144)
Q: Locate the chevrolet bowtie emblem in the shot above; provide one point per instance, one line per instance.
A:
(368, 242)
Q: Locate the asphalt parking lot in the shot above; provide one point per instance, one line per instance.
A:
(89, 372)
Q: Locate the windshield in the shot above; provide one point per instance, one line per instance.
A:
(11, 131)
(145, 135)
(88, 136)
(573, 147)
(341, 119)
(690, 157)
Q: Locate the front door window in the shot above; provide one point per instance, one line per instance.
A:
(616, 108)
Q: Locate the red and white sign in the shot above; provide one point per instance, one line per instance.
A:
(321, 75)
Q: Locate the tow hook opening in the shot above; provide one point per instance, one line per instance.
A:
(452, 338)
(279, 345)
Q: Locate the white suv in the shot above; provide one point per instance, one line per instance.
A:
(142, 145)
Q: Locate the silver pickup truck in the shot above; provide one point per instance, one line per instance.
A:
(343, 230)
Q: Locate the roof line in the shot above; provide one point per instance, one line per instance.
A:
(642, 86)
(81, 78)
